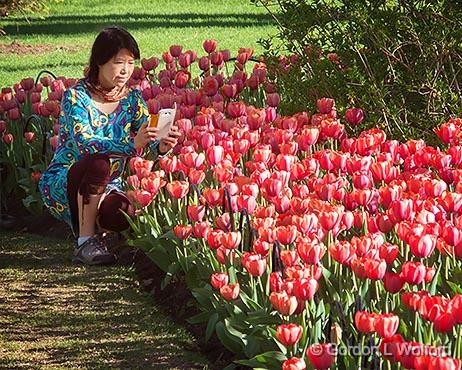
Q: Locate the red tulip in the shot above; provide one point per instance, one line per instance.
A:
(216, 58)
(294, 363)
(183, 231)
(447, 131)
(444, 322)
(289, 334)
(182, 78)
(29, 137)
(204, 63)
(196, 212)
(273, 100)
(386, 325)
(185, 59)
(310, 251)
(213, 197)
(329, 219)
(389, 347)
(283, 303)
(276, 281)
(36, 176)
(215, 154)
(209, 46)
(236, 109)
(402, 209)
(3, 126)
(375, 269)
(8, 139)
(27, 83)
(365, 321)
(141, 197)
(342, 252)
(406, 353)
(388, 252)
(305, 289)
(286, 234)
(218, 280)
(178, 189)
(354, 116)
(230, 240)
(229, 291)
(247, 202)
(413, 272)
(325, 105)
(210, 85)
(308, 137)
(175, 50)
(422, 246)
(167, 57)
(192, 159)
(443, 363)
(152, 184)
(230, 91)
(289, 258)
(196, 176)
(321, 356)
(254, 263)
(393, 282)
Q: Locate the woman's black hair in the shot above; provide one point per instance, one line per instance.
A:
(107, 44)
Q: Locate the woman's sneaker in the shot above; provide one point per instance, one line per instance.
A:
(93, 252)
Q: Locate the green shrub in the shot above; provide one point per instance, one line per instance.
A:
(398, 60)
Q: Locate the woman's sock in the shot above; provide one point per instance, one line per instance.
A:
(82, 239)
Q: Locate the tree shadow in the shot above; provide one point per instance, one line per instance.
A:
(67, 25)
(81, 317)
(48, 65)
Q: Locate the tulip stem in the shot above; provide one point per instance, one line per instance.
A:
(263, 290)
(254, 288)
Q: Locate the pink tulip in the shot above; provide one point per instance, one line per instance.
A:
(354, 116)
(209, 46)
(3, 126)
(325, 105)
(8, 139)
(29, 137)
(273, 100)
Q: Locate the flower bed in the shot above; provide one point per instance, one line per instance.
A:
(303, 246)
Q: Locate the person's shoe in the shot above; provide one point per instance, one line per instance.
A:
(93, 252)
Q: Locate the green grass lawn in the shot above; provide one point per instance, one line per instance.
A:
(69, 30)
(55, 315)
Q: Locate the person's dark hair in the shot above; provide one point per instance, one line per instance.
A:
(107, 44)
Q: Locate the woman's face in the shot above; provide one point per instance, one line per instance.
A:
(117, 70)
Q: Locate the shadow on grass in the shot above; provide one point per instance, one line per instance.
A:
(56, 314)
(63, 25)
(28, 67)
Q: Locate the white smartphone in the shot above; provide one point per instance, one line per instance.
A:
(165, 122)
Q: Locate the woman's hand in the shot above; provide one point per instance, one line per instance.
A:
(145, 135)
(170, 141)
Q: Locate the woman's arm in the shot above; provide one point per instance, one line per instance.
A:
(77, 118)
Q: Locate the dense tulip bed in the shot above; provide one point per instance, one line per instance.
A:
(304, 247)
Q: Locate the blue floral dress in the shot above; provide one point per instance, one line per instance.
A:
(86, 130)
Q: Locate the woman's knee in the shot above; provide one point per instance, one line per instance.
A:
(111, 212)
(97, 173)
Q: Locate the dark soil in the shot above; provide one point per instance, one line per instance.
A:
(25, 49)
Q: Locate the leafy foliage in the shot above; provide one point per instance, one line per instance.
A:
(398, 60)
